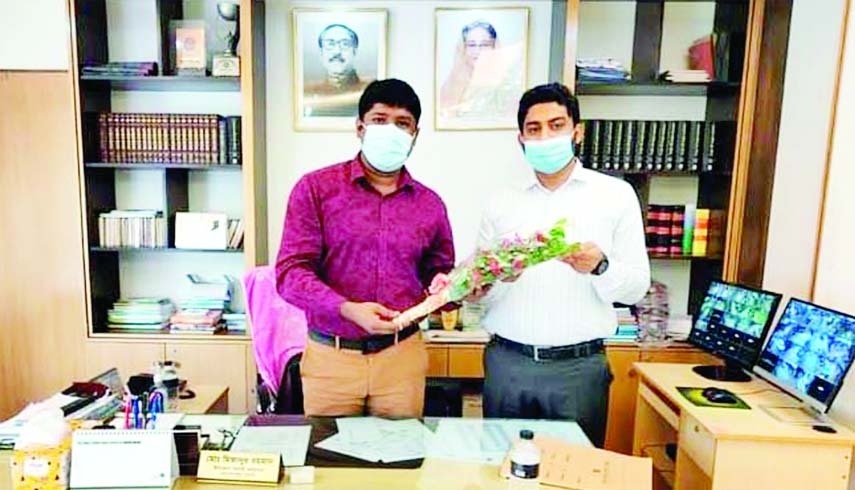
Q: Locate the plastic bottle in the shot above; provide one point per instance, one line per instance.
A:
(525, 457)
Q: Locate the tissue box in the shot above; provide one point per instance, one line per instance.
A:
(41, 468)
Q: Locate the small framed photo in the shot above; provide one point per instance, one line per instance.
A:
(188, 55)
(480, 67)
(337, 53)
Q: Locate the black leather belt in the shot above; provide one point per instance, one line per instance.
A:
(368, 345)
(582, 349)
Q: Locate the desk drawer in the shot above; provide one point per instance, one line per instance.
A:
(437, 361)
(466, 362)
(698, 443)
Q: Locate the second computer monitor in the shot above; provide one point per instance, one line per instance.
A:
(732, 323)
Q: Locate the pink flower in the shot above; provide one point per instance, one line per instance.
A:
(540, 237)
(519, 264)
(494, 266)
(476, 277)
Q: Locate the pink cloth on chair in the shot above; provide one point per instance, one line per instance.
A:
(278, 328)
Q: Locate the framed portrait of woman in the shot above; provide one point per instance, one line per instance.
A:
(480, 67)
(337, 53)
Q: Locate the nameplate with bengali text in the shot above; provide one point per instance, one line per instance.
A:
(237, 467)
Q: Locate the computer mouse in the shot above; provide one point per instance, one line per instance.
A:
(718, 395)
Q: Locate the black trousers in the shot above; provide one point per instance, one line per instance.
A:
(517, 386)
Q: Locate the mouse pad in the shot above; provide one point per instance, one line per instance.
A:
(695, 395)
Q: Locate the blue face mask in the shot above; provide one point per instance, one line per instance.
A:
(386, 146)
(550, 155)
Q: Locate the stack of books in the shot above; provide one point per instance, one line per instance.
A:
(235, 233)
(145, 228)
(141, 314)
(601, 70)
(627, 327)
(121, 68)
(201, 321)
(684, 230)
(235, 322)
(656, 146)
(686, 76)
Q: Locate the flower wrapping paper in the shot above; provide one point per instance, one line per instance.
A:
(504, 260)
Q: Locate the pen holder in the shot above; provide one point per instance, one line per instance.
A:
(42, 467)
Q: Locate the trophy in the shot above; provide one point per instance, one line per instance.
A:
(227, 63)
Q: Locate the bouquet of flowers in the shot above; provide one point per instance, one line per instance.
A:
(505, 260)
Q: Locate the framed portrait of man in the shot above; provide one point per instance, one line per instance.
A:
(337, 53)
(480, 67)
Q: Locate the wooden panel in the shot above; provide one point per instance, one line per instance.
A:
(679, 356)
(213, 364)
(622, 393)
(41, 252)
(437, 361)
(697, 443)
(571, 36)
(466, 362)
(251, 380)
(647, 41)
(129, 357)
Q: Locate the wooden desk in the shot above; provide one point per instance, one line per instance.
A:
(208, 399)
(732, 449)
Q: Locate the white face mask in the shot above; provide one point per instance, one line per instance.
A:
(386, 146)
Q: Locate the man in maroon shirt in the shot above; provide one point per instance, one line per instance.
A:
(362, 241)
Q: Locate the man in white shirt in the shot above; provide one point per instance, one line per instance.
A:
(546, 359)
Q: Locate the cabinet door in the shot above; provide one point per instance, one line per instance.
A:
(251, 381)
(213, 364)
(622, 393)
(437, 361)
(466, 362)
(129, 357)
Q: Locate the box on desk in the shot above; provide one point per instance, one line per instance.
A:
(42, 467)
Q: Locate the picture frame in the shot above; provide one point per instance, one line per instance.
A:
(336, 54)
(188, 55)
(480, 66)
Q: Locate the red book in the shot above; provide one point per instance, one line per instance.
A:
(701, 56)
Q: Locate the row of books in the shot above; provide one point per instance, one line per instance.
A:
(132, 229)
(655, 146)
(169, 138)
(684, 230)
(236, 230)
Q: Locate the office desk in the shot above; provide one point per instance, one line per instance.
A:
(208, 399)
(732, 449)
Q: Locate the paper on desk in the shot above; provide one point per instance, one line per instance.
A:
(11, 428)
(379, 440)
(587, 468)
(489, 440)
(291, 442)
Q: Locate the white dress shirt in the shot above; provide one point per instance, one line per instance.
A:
(551, 304)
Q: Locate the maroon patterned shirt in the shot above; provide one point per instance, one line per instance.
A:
(343, 241)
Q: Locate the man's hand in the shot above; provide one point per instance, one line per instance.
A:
(585, 259)
(374, 318)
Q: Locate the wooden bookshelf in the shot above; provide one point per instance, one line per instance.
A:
(740, 185)
(104, 182)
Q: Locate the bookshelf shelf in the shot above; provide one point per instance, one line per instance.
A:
(161, 166)
(160, 335)
(162, 83)
(656, 88)
(163, 250)
(665, 173)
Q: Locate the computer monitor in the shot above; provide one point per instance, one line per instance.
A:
(809, 352)
(732, 323)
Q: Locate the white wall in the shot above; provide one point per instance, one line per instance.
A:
(812, 57)
(34, 35)
(463, 167)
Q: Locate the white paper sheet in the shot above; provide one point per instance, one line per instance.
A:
(291, 442)
(489, 440)
(379, 440)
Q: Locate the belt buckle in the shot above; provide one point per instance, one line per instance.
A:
(536, 351)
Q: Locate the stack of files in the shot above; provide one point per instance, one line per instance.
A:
(624, 333)
(132, 228)
(235, 322)
(686, 76)
(140, 314)
(213, 293)
(121, 68)
(197, 321)
(601, 70)
(379, 440)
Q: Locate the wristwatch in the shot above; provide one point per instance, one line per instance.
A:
(602, 267)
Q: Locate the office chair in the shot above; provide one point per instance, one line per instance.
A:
(278, 339)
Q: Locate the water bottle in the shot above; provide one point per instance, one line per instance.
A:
(525, 458)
